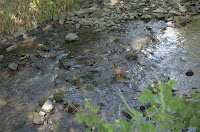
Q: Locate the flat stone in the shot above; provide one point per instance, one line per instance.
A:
(159, 10)
(48, 106)
(13, 66)
(1, 58)
(19, 33)
(48, 28)
(118, 10)
(83, 12)
(140, 44)
(11, 48)
(117, 21)
(42, 47)
(71, 37)
(174, 12)
(146, 16)
(37, 118)
(159, 15)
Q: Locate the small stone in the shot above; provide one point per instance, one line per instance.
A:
(61, 107)
(48, 106)
(118, 10)
(48, 28)
(175, 12)
(146, 16)
(19, 33)
(64, 89)
(1, 58)
(62, 19)
(37, 118)
(117, 21)
(189, 73)
(58, 97)
(71, 37)
(131, 57)
(13, 66)
(78, 25)
(42, 47)
(159, 15)
(11, 48)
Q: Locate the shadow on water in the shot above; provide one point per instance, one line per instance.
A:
(89, 71)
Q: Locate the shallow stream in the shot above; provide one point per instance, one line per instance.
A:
(170, 54)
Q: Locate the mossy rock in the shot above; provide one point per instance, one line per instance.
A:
(13, 66)
(58, 97)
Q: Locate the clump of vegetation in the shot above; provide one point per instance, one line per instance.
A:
(168, 112)
(16, 14)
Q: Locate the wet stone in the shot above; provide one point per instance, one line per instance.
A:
(42, 47)
(48, 106)
(11, 48)
(48, 28)
(189, 73)
(131, 57)
(71, 37)
(58, 97)
(13, 66)
(38, 119)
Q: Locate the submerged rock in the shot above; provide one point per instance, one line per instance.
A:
(189, 73)
(131, 57)
(42, 101)
(180, 21)
(48, 106)
(140, 44)
(42, 47)
(71, 37)
(38, 119)
(13, 66)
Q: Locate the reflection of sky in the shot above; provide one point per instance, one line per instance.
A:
(184, 43)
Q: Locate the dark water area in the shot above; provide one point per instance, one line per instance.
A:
(171, 52)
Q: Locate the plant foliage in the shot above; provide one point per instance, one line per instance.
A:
(166, 111)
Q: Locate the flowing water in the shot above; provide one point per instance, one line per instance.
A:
(170, 54)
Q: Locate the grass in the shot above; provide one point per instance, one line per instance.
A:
(19, 14)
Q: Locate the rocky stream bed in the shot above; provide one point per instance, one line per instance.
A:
(48, 71)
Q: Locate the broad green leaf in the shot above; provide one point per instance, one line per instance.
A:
(80, 118)
(88, 130)
(172, 105)
(125, 126)
(151, 127)
(195, 122)
(152, 109)
(164, 126)
(143, 98)
(109, 127)
(95, 109)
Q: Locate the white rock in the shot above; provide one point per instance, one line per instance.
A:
(71, 37)
(48, 106)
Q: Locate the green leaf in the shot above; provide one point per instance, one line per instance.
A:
(173, 105)
(195, 122)
(80, 118)
(143, 98)
(109, 127)
(164, 126)
(88, 130)
(125, 126)
(95, 109)
(151, 127)
(152, 109)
